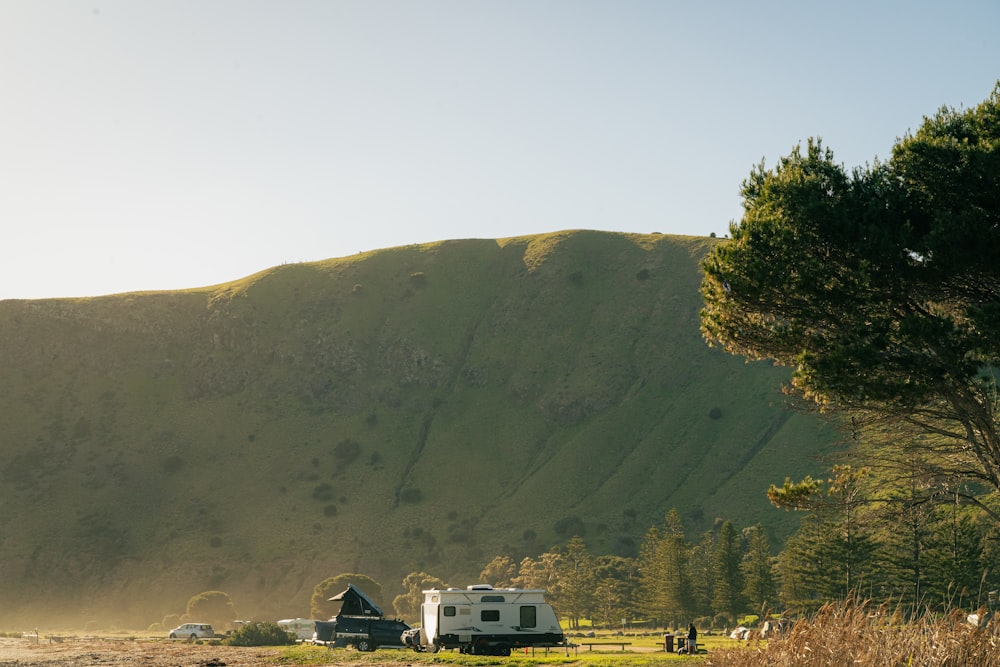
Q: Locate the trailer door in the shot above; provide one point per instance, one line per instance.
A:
(529, 617)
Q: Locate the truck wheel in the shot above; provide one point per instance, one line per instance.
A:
(365, 645)
(435, 647)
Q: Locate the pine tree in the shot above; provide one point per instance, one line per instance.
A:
(726, 560)
(576, 578)
(757, 571)
(701, 574)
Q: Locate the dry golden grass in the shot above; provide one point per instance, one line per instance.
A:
(862, 635)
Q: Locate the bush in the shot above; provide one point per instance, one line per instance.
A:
(259, 633)
(570, 526)
(214, 607)
(722, 620)
(346, 451)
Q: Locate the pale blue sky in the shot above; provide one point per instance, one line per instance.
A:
(168, 144)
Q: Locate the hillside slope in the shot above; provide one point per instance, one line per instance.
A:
(417, 408)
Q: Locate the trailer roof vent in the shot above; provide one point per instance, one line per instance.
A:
(480, 587)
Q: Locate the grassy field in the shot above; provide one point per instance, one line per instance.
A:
(315, 655)
(854, 633)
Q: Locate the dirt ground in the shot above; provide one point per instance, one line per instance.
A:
(71, 652)
(121, 653)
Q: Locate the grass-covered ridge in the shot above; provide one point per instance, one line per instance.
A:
(417, 408)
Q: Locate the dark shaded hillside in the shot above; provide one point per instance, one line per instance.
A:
(416, 408)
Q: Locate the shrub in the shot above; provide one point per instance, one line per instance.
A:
(570, 526)
(323, 492)
(214, 607)
(856, 632)
(346, 451)
(418, 278)
(259, 633)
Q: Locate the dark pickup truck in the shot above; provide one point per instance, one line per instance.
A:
(364, 634)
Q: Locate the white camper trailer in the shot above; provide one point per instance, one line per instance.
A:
(484, 620)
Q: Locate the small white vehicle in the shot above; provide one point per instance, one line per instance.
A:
(483, 620)
(300, 628)
(192, 631)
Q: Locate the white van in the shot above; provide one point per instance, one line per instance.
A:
(300, 628)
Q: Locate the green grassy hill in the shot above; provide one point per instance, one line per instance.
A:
(418, 408)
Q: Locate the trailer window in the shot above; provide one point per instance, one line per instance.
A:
(488, 615)
(491, 598)
(529, 617)
(448, 610)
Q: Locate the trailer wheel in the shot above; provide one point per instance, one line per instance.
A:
(435, 647)
(503, 649)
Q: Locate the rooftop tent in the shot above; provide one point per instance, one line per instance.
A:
(356, 603)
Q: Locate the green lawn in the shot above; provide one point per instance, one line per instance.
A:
(642, 651)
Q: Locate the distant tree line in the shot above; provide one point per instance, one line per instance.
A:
(857, 538)
(672, 582)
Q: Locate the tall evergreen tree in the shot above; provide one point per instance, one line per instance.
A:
(577, 581)
(757, 570)
(880, 288)
(956, 558)
(727, 596)
(622, 575)
(666, 589)
(650, 598)
(701, 574)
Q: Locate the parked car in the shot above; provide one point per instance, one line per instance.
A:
(364, 634)
(359, 623)
(192, 631)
